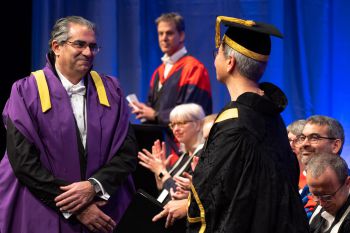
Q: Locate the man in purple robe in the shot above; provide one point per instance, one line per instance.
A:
(70, 148)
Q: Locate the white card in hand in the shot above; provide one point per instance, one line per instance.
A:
(132, 98)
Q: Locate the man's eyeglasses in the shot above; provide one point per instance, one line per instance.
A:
(81, 45)
(312, 138)
(179, 124)
(326, 197)
(292, 140)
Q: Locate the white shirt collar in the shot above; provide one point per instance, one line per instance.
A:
(175, 57)
(329, 218)
(67, 84)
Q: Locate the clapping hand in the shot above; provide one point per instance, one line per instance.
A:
(155, 161)
(184, 182)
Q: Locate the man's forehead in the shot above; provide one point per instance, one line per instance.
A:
(168, 25)
(327, 178)
(310, 128)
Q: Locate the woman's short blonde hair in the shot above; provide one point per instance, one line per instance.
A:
(187, 112)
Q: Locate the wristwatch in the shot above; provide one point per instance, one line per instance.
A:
(95, 185)
(160, 175)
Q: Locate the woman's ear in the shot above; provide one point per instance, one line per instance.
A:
(198, 125)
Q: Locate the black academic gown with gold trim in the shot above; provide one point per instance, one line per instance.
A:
(247, 176)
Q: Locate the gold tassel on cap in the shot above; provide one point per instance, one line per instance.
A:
(247, 23)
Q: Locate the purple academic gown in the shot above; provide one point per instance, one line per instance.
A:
(54, 134)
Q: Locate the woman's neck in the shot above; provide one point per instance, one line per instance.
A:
(190, 149)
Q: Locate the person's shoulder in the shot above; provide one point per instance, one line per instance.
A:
(228, 118)
(112, 84)
(25, 83)
(25, 89)
(345, 226)
(189, 59)
(241, 118)
(190, 64)
(109, 79)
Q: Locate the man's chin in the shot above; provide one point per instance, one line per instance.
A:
(307, 154)
(164, 50)
(305, 159)
(329, 209)
(84, 68)
(220, 79)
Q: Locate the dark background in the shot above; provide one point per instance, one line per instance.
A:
(16, 46)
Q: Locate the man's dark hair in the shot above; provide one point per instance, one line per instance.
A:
(172, 17)
(60, 31)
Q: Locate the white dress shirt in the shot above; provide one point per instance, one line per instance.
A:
(169, 62)
(77, 99)
(76, 94)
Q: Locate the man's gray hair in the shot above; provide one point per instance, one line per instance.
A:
(320, 162)
(246, 66)
(60, 31)
(335, 129)
(296, 127)
(174, 17)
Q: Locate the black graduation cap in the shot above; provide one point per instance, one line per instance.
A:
(247, 37)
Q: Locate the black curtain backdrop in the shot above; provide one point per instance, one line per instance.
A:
(16, 49)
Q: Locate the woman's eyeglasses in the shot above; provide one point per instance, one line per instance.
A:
(180, 124)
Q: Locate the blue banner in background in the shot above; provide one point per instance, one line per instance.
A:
(310, 64)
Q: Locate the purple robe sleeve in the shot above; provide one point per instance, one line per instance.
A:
(25, 162)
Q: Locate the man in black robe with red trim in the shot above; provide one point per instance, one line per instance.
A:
(180, 79)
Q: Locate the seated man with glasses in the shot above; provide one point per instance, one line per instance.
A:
(327, 177)
(321, 134)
